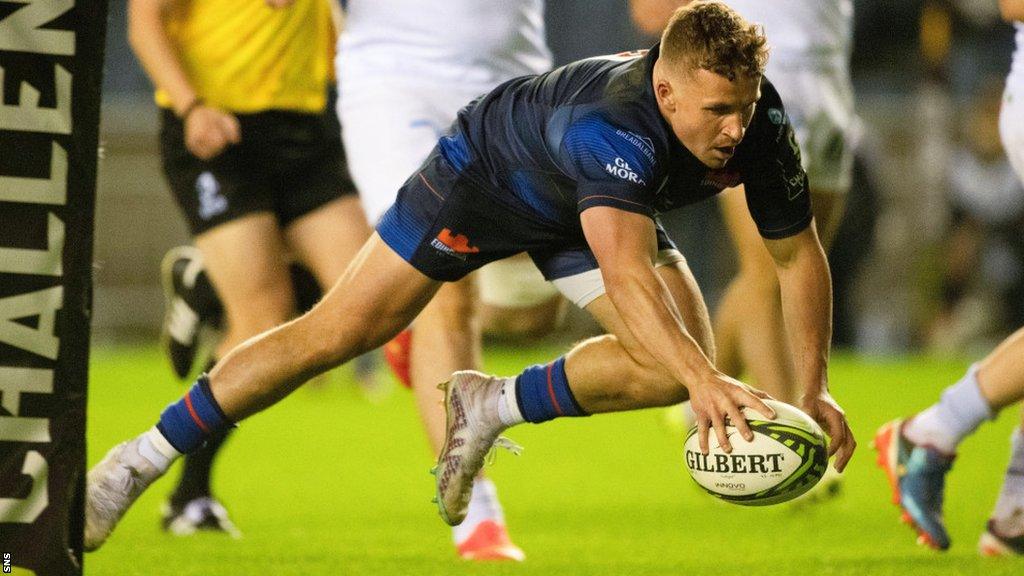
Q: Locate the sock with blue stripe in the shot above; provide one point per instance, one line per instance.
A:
(187, 423)
(542, 393)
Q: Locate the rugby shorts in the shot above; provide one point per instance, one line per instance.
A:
(447, 224)
(287, 163)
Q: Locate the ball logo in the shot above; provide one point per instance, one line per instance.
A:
(734, 463)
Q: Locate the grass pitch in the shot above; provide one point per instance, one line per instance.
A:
(328, 483)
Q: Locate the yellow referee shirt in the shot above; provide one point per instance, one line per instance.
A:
(243, 56)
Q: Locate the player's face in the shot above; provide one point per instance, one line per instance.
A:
(709, 113)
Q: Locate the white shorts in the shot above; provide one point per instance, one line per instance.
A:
(389, 129)
(819, 102)
(1011, 124)
(583, 288)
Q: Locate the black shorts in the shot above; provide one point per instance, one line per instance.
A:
(287, 163)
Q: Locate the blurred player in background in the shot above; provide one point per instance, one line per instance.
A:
(254, 158)
(404, 69)
(571, 166)
(917, 453)
(811, 43)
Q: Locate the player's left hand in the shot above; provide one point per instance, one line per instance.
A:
(823, 408)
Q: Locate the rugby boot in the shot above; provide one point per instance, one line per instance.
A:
(489, 540)
(111, 488)
(190, 302)
(917, 476)
(203, 513)
(994, 543)
(473, 428)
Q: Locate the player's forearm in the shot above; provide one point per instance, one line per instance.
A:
(1012, 10)
(806, 288)
(649, 312)
(149, 41)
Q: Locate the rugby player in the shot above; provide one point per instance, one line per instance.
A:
(810, 43)
(916, 453)
(572, 167)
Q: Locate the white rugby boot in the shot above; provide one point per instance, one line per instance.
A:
(471, 406)
(111, 488)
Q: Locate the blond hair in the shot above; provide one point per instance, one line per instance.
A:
(708, 34)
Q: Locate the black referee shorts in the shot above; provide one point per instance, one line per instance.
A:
(287, 163)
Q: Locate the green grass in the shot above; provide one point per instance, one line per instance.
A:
(327, 483)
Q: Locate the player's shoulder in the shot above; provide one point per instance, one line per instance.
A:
(608, 134)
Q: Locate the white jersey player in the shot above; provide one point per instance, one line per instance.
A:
(1011, 117)
(404, 70)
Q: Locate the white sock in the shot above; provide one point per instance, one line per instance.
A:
(155, 448)
(508, 406)
(483, 505)
(956, 415)
(1008, 515)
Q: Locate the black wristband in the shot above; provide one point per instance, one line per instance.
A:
(195, 103)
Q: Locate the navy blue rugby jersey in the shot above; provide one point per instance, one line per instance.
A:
(590, 134)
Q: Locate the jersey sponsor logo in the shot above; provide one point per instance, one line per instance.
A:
(211, 201)
(643, 143)
(621, 169)
(721, 179)
(456, 245)
(776, 116)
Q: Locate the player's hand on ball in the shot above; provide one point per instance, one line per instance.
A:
(823, 408)
(208, 131)
(719, 398)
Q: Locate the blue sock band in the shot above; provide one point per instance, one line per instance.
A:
(188, 422)
(543, 393)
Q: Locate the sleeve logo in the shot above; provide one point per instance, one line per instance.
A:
(621, 169)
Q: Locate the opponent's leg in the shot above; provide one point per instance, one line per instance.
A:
(749, 328)
(376, 297)
(516, 302)
(604, 374)
(1004, 533)
(389, 131)
(245, 261)
(917, 453)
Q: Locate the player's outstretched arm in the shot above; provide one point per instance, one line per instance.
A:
(624, 244)
(806, 288)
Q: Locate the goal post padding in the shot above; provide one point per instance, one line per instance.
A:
(51, 63)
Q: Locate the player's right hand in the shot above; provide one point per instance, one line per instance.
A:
(208, 131)
(715, 399)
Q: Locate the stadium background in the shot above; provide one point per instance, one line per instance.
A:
(621, 503)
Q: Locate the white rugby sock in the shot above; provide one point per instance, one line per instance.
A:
(483, 505)
(956, 415)
(1008, 515)
(508, 406)
(157, 450)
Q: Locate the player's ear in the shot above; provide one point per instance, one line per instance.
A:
(666, 95)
